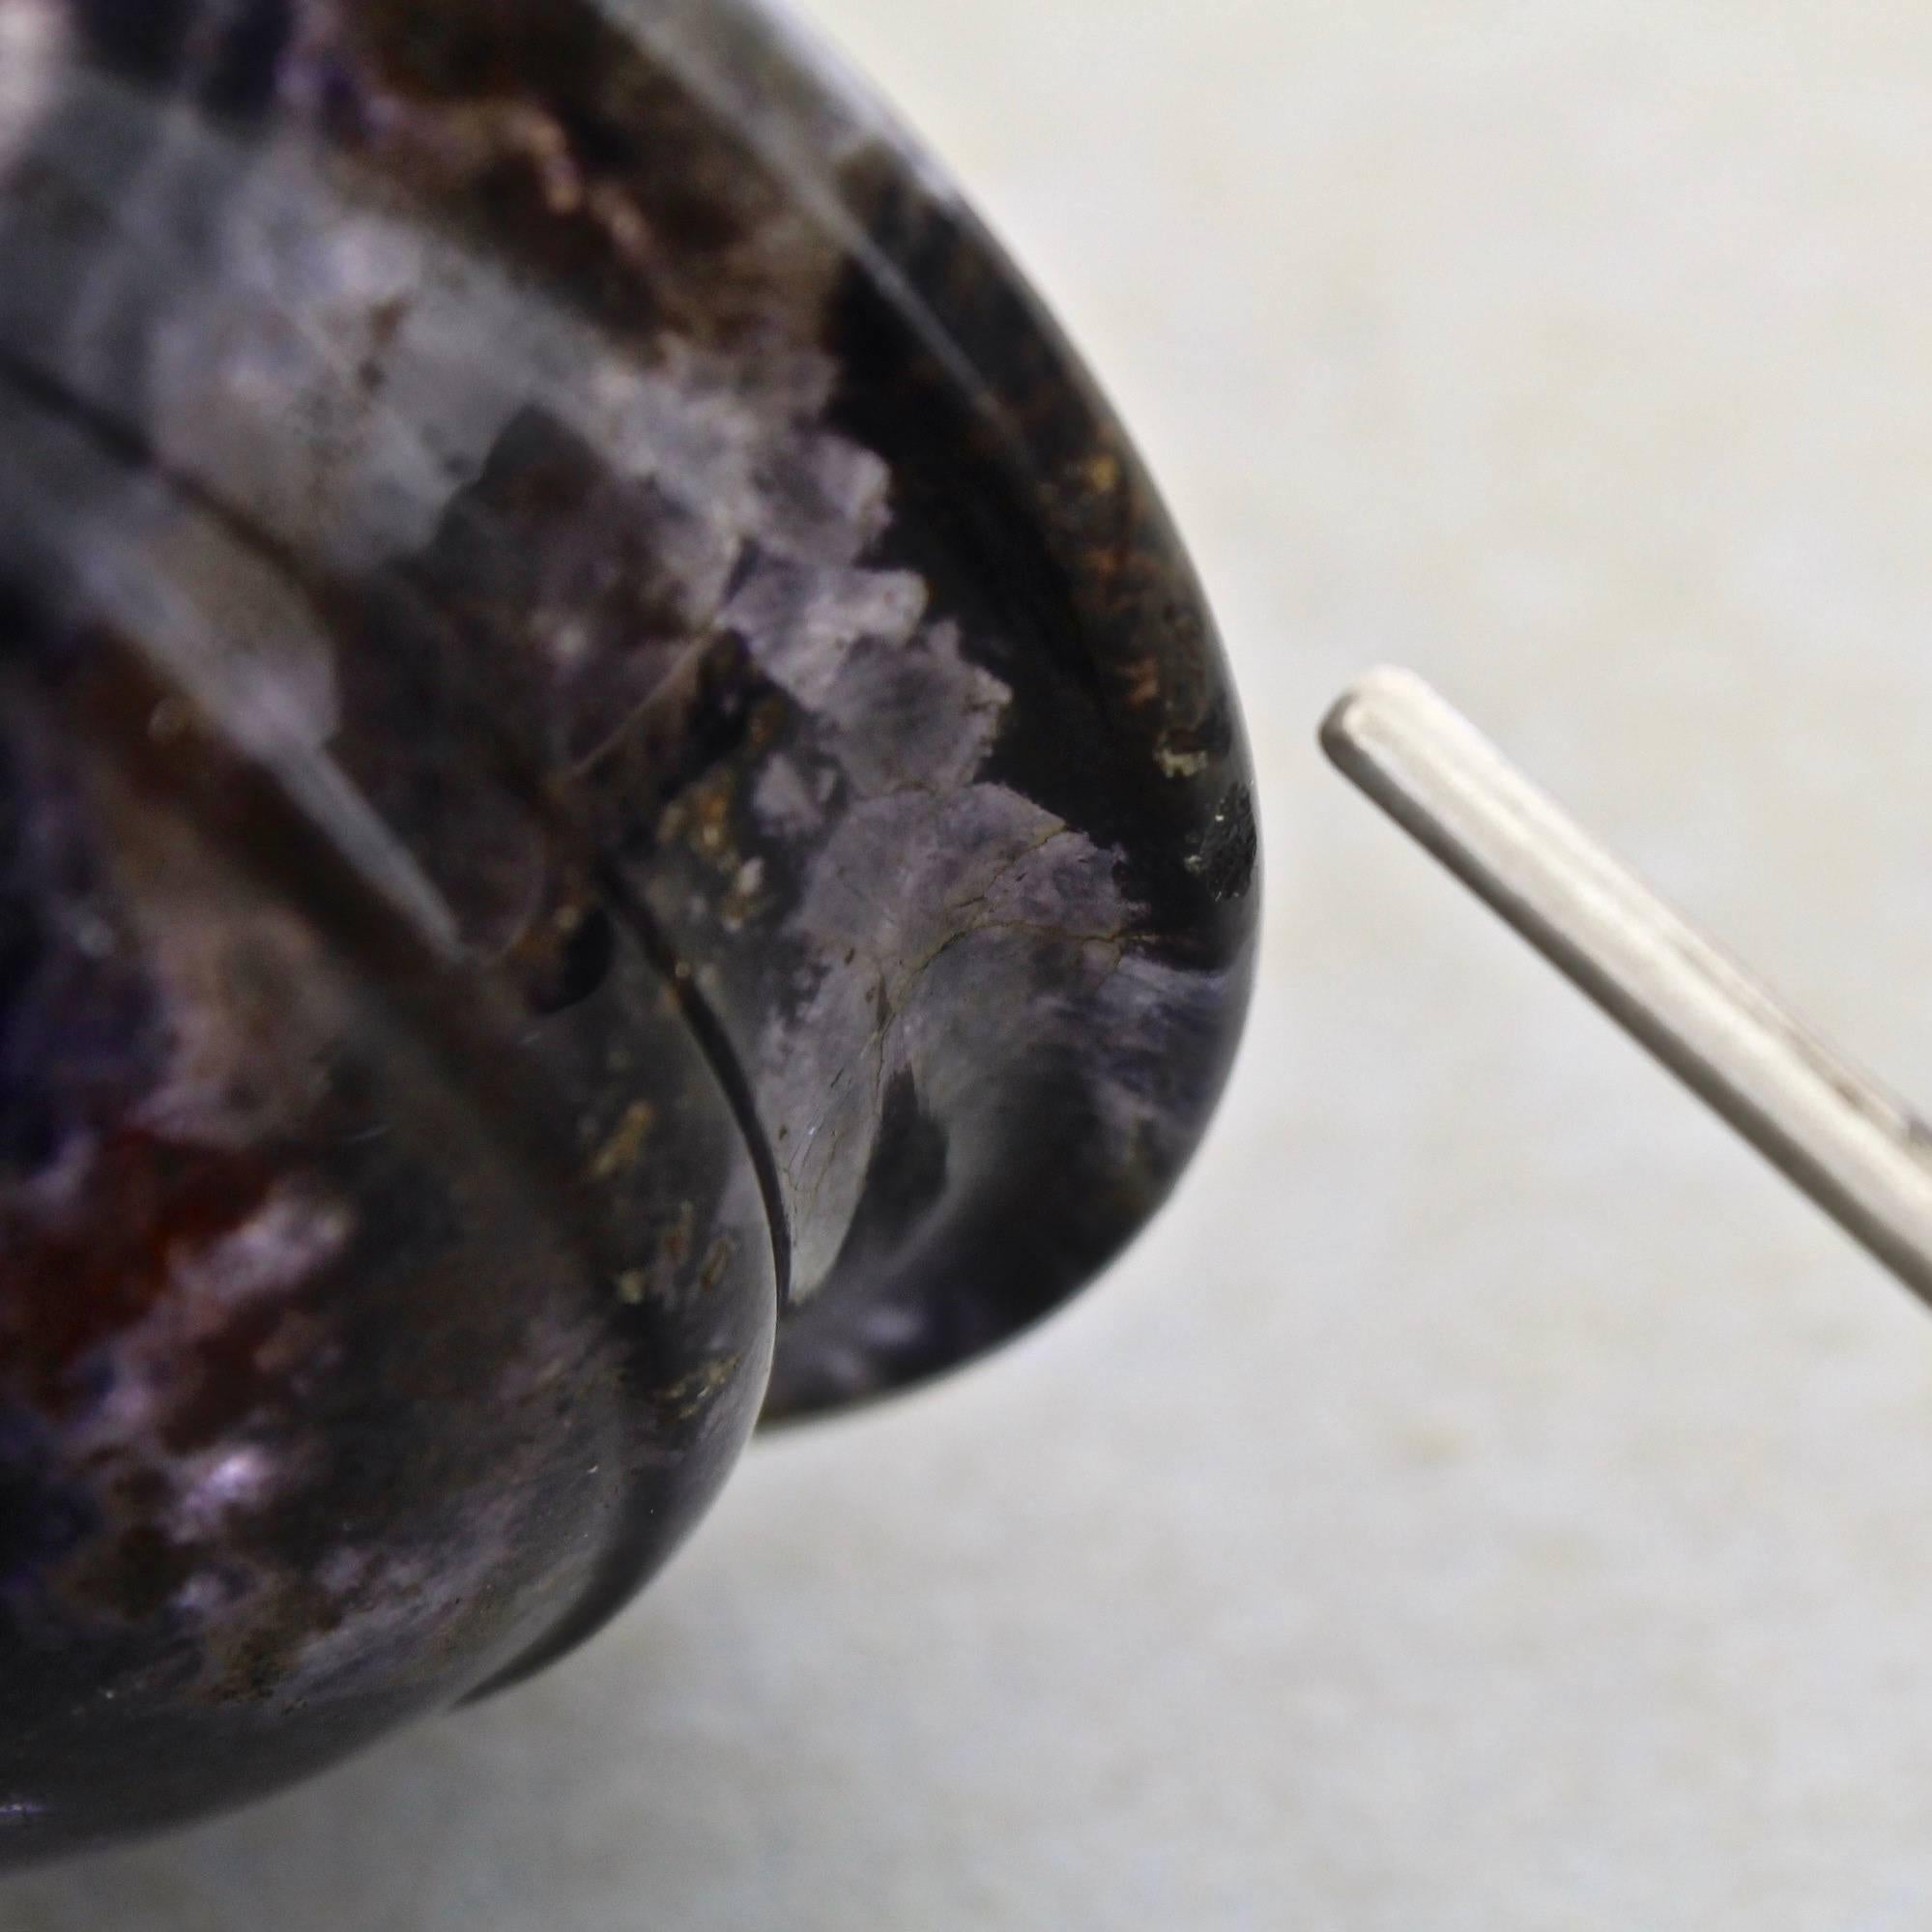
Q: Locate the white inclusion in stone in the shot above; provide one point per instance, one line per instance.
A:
(237, 1479)
(276, 1250)
(803, 620)
(784, 800)
(33, 41)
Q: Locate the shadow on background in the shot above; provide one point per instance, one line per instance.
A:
(556, 1805)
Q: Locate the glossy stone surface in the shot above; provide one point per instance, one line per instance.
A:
(602, 748)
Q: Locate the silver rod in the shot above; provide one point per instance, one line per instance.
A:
(1858, 1153)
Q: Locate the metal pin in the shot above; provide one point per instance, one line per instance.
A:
(1861, 1155)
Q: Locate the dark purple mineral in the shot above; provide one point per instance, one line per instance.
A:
(616, 810)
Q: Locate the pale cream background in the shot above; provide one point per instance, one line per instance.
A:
(1487, 1500)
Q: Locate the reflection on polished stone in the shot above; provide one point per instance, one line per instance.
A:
(607, 765)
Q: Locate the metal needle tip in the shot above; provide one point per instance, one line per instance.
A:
(1858, 1153)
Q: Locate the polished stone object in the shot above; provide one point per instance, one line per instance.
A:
(617, 812)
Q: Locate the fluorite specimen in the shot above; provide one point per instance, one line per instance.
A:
(605, 760)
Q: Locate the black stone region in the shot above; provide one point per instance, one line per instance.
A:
(619, 816)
